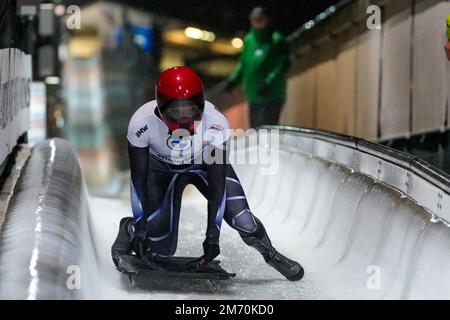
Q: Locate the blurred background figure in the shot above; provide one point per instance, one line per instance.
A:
(262, 69)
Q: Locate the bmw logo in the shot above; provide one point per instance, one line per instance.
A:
(179, 143)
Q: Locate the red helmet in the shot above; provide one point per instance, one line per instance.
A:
(179, 97)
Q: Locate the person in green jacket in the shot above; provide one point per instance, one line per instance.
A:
(262, 69)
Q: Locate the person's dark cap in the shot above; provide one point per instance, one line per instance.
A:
(260, 12)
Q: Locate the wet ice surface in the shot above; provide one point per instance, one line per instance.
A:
(254, 278)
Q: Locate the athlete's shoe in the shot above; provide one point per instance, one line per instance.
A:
(259, 240)
(292, 270)
(129, 243)
(122, 244)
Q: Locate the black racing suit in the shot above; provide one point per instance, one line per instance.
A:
(156, 192)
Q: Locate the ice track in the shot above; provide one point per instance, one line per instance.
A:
(351, 212)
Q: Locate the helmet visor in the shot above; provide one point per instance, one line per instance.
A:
(177, 110)
(182, 109)
(181, 114)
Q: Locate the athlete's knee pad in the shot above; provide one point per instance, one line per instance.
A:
(245, 222)
(258, 234)
(259, 240)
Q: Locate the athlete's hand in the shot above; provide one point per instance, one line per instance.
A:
(211, 250)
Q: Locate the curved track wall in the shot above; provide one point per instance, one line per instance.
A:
(367, 221)
(46, 248)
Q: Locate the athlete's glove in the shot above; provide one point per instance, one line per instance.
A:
(211, 250)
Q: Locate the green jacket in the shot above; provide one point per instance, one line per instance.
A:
(448, 27)
(263, 60)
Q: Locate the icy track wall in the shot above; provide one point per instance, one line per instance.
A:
(46, 238)
(366, 221)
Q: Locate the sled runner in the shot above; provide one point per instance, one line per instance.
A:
(174, 267)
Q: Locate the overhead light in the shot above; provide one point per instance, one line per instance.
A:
(60, 10)
(198, 34)
(237, 43)
(309, 24)
(208, 36)
(193, 33)
(52, 80)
